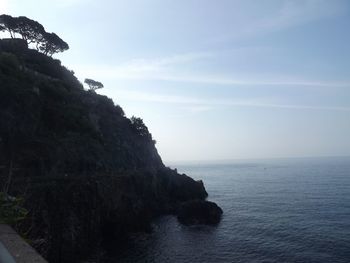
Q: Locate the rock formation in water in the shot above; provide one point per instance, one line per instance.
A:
(197, 211)
(87, 172)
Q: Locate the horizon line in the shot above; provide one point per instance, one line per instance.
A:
(221, 161)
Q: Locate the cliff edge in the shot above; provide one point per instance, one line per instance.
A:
(86, 171)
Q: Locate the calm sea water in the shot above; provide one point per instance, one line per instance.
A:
(295, 210)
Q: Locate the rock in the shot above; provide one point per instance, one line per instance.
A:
(90, 175)
(199, 212)
(180, 187)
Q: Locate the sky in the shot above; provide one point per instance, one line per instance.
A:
(215, 79)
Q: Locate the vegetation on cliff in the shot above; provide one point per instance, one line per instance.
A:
(93, 84)
(87, 172)
(32, 32)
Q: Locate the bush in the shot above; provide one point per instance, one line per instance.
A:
(11, 210)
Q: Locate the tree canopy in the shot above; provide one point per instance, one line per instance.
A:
(51, 44)
(33, 32)
(30, 30)
(8, 23)
(140, 127)
(93, 84)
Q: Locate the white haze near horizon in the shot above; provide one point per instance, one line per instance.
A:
(215, 79)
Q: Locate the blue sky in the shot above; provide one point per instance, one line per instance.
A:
(215, 79)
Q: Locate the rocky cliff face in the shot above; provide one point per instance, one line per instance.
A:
(86, 171)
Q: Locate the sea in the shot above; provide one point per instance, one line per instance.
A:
(279, 210)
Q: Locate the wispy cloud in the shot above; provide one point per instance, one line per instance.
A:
(166, 69)
(141, 68)
(251, 81)
(184, 68)
(169, 60)
(195, 104)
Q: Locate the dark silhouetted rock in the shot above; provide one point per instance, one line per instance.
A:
(88, 172)
(197, 212)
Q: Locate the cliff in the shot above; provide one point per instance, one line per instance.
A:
(87, 172)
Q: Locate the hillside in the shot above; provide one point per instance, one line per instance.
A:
(87, 172)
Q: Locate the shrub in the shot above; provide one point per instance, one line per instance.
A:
(11, 210)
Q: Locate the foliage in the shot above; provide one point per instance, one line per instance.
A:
(33, 32)
(93, 84)
(8, 23)
(140, 127)
(51, 44)
(11, 209)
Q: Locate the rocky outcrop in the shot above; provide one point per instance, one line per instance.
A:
(72, 215)
(197, 212)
